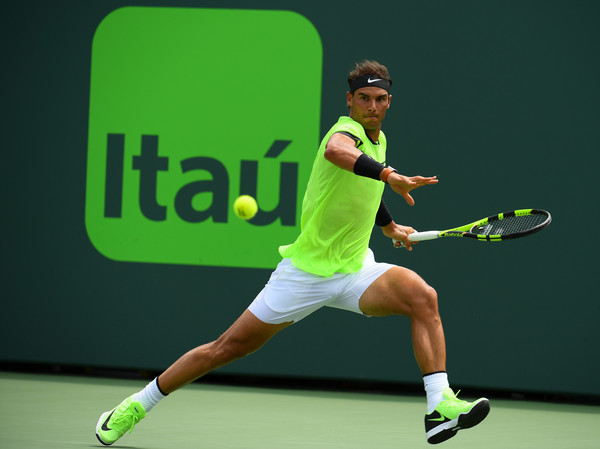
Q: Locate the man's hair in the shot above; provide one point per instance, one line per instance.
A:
(369, 68)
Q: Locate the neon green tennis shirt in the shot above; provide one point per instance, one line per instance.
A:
(338, 210)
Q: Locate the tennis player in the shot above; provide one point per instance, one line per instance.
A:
(330, 264)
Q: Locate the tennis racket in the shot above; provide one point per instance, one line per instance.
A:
(495, 228)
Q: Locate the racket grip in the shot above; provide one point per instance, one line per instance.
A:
(421, 236)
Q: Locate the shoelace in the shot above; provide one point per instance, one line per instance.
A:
(455, 397)
(122, 419)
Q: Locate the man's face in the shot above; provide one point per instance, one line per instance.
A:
(368, 106)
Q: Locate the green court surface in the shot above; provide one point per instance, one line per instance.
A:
(47, 412)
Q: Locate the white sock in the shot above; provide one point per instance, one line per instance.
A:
(435, 384)
(149, 396)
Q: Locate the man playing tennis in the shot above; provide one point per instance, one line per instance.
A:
(330, 264)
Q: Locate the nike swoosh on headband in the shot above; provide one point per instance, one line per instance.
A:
(373, 80)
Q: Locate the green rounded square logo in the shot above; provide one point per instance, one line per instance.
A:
(190, 108)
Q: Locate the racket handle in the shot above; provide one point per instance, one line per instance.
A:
(421, 236)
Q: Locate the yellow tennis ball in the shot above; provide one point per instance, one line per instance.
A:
(245, 207)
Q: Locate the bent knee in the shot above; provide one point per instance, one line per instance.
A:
(430, 293)
(424, 300)
(399, 292)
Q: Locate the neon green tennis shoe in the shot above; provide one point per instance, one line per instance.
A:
(452, 415)
(113, 424)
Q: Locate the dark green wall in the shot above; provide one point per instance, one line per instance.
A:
(498, 98)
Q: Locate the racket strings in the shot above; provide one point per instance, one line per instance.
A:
(510, 225)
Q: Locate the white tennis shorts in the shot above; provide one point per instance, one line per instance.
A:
(292, 294)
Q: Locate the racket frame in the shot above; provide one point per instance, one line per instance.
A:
(466, 230)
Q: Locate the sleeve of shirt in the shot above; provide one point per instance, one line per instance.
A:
(357, 140)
